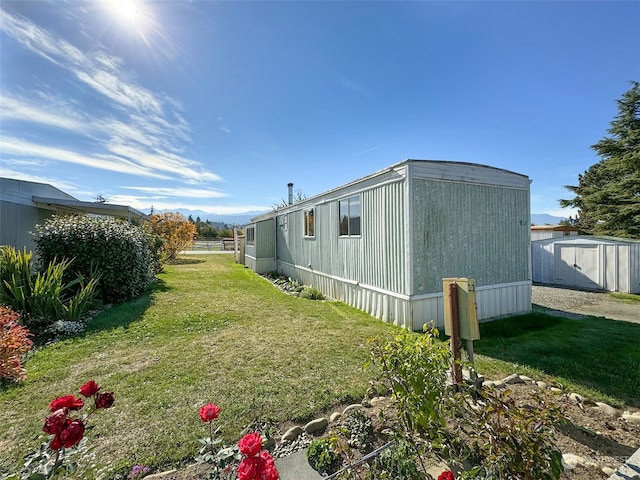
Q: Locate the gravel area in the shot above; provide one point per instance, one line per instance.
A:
(563, 298)
(576, 303)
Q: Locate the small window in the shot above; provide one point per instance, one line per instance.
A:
(309, 223)
(251, 235)
(350, 216)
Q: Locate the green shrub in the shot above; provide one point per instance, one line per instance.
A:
(398, 462)
(120, 251)
(323, 455)
(311, 293)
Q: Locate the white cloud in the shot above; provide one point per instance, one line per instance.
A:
(181, 192)
(132, 130)
(160, 204)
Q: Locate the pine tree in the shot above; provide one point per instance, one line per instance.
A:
(608, 193)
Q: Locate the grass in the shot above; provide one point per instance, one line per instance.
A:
(593, 356)
(627, 297)
(209, 331)
(213, 331)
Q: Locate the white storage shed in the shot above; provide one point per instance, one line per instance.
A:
(589, 263)
(384, 243)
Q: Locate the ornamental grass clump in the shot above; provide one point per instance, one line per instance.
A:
(67, 428)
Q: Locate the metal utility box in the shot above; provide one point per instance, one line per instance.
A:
(467, 308)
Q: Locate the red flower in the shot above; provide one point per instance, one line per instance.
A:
(67, 401)
(69, 436)
(250, 468)
(90, 388)
(104, 400)
(269, 470)
(447, 475)
(251, 444)
(209, 412)
(54, 423)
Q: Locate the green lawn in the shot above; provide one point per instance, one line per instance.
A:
(213, 331)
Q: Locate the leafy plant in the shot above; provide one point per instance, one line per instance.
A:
(176, 231)
(323, 455)
(120, 251)
(398, 462)
(14, 344)
(44, 297)
(311, 293)
(360, 430)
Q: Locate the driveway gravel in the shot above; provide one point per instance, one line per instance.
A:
(577, 303)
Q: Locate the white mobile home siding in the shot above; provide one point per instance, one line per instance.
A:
(588, 263)
(421, 221)
(261, 255)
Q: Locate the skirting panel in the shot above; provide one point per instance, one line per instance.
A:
(493, 301)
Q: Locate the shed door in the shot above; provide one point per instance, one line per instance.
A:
(577, 266)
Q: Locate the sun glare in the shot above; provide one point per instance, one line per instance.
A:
(129, 10)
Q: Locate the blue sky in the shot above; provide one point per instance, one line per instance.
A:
(216, 106)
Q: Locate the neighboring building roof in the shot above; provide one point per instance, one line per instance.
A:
(96, 208)
(43, 195)
(554, 228)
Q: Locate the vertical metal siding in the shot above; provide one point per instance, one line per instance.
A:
(469, 230)
(17, 223)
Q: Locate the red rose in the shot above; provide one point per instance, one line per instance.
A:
(54, 423)
(250, 468)
(68, 401)
(446, 475)
(269, 470)
(90, 388)
(209, 412)
(251, 444)
(69, 436)
(104, 400)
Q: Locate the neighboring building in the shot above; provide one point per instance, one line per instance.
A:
(542, 232)
(588, 263)
(23, 205)
(384, 243)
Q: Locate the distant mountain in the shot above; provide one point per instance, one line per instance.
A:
(238, 220)
(545, 219)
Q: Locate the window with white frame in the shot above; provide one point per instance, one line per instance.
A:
(349, 210)
(310, 222)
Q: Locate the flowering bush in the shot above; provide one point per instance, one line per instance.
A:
(14, 344)
(255, 463)
(447, 475)
(67, 428)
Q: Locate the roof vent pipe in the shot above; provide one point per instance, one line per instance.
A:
(290, 186)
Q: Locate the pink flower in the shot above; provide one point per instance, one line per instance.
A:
(90, 388)
(446, 475)
(67, 401)
(209, 412)
(251, 444)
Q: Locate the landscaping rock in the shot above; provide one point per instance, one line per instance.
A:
(493, 383)
(608, 471)
(292, 434)
(526, 379)
(576, 397)
(161, 475)
(555, 390)
(633, 418)
(571, 461)
(512, 379)
(355, 406)
(542, 385)
(335, 416)
(377, 401)
(607, 409)
(317, 424)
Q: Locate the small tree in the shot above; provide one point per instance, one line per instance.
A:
(608, 193)
(178, 232)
